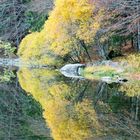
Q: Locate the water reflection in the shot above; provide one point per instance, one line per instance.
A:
(69, 115)
(131, 88)
(20, 115)
(82, 109)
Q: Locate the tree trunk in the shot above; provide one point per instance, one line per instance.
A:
(132, 41)
(85, 48)
(137, 108)
(103, 50)
(139, 36)
(135, 42)
(138, 10)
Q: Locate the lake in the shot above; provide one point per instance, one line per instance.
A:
(42, 104)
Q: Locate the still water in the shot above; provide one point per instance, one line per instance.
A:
(41, 104)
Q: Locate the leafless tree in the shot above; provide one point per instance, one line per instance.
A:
(124, 17)
(13, 25)
(120, 17)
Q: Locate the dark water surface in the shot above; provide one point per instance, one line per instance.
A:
(40, 104)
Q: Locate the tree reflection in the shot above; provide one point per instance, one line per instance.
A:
(67, 118)
(131, 89)
(80, 109)
(20, 115)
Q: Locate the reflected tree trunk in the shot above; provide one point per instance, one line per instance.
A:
(100, 90)
(82, 93)
(138, 10)
(137, 108)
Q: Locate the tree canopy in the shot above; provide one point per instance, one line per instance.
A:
(70, 27)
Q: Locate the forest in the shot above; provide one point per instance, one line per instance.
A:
(70, 31)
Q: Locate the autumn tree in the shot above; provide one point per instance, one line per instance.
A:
(68, 32)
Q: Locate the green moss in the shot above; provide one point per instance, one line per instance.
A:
(97, 72)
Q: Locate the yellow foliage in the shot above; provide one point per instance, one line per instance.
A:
(69, 22)
(69, 122)
(131, 89)
(66, 119)
(133, 62)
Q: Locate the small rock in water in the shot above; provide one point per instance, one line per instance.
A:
(71, 70)
(106, 79)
